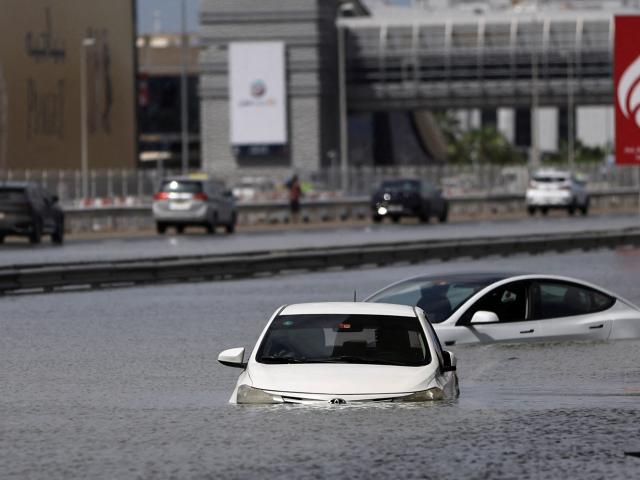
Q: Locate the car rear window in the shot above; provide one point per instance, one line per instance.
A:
(181, 186)
(548, 179)
(14, 195)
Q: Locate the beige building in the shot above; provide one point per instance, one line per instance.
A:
(41, 51)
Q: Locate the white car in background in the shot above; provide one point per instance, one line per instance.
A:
(507, 307)
(344, 352)
(556, 189)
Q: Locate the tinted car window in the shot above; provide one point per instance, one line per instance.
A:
(438, 298)
(401, 185)
(339, 338)
(508, 302)
(560, 299)
(181, 186)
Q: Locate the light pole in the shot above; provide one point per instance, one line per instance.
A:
(184, 107)
(342, 89)
(84, 147)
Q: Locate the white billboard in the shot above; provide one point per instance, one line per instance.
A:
(258, 96)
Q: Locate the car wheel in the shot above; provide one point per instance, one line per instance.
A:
(395, 219)
(57, 236)
(212, 224)
(36, 232)
(544, 210)
(231, 226)
(376, 218)
(180, 229)
(531, 210)
(424, 216)
(571, 210)
(444, 215)
(1, 238)
(585, 208)
(161, 228)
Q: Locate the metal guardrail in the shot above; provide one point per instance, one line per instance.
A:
(251, 213)
(46, 278)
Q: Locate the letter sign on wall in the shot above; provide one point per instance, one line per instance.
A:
(627, 90)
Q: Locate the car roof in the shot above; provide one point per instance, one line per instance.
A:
(17, 184)
(489, 277)
(352, 308)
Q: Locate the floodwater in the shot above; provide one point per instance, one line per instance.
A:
(124, 383)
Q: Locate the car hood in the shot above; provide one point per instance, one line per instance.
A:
(341, 379)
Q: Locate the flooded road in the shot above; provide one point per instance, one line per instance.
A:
(125, 384)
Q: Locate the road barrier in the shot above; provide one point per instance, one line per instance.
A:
(122, 218)
(99, 274)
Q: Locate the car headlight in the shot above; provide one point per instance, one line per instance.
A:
(247, 394)
(382, 211)
(434, 393)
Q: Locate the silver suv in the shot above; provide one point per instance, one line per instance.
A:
(186, 201)
(556, 189)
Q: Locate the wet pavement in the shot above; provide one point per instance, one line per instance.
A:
(125, 384)
(195, 242)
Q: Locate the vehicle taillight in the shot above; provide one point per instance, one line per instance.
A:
(161, 196)
(200, 196)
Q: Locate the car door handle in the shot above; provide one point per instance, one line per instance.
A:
(594, 327)
(527, 331)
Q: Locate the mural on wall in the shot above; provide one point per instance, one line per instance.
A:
(45, 105)
(48, 48)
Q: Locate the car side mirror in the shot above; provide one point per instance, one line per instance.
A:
(481, 317)
(450, 361)
(234, 357)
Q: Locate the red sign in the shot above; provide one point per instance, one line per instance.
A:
(626, 77)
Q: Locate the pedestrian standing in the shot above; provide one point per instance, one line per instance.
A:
(295, 192)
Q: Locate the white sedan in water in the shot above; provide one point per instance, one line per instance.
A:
(506, 307)
(344, 352)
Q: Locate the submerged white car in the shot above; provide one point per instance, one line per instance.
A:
(507, 307)
(344, 352)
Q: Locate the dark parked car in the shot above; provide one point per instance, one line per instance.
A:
(185, 201)
(408, 198)
(27, 209)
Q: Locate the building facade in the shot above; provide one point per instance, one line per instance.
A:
(308, 30)
(46, 49)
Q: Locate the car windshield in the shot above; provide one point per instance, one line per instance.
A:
(439, 298)
(342, 338)
(550, 179)
(181, 186)
(400, 185)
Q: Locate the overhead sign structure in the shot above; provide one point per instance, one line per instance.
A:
(258, 98)
(627, 90)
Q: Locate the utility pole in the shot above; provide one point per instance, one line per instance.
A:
(184, 92)
(84, 134)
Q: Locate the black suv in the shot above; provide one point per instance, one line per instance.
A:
(408, 198)
(27, 209)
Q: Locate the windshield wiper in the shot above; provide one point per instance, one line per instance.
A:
(271, 359)
(355, 359)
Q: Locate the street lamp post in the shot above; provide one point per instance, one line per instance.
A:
(184, 97)
(84, 146)
(342, 89)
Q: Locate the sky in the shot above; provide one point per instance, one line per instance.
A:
(166, 13)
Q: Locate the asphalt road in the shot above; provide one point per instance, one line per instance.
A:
(124, 383)
(196, 243)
